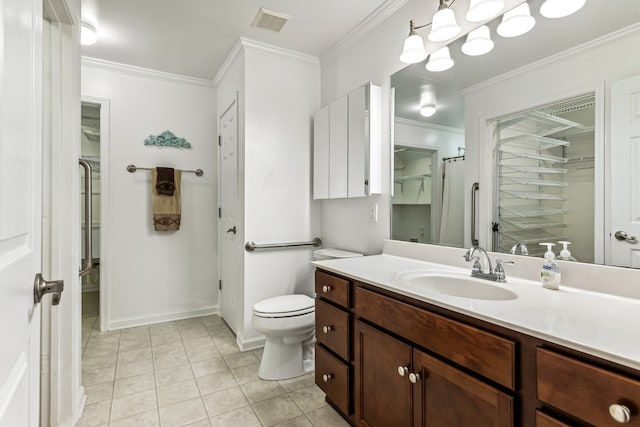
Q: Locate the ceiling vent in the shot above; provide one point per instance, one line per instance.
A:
(270, 20)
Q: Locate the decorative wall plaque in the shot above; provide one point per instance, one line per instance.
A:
(167, 139)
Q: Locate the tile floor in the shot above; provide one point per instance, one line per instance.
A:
(187, 373)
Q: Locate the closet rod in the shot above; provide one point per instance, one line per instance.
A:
(133, 168)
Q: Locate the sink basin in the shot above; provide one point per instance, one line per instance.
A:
(460, 286)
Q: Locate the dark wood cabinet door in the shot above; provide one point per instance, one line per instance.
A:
(383, 397)
(448, 397)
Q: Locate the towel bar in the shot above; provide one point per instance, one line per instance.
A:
(252, 246)
(133, 168)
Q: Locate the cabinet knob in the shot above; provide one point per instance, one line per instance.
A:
(620, 413)
(327, 377)
(327, 329)
(402, 370)
(414, 377)
(326, 288)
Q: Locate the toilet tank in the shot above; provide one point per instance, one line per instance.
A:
(331, 253)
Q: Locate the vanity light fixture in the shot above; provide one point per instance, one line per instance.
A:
(560, 8)
(516, 22)
(414, 50)
(478, 42)
(444, 26)
(482, 10)
(440, 60)
(428, 110)
(88, 35)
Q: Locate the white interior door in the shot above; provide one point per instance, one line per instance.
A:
(229, 224)
(625, 173)
(20, 209)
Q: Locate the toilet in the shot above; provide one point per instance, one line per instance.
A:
(288, 324)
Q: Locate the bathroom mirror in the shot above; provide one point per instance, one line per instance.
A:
(443, 133)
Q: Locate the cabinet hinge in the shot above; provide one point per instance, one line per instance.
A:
(220, 140)
(219, 212)
(220, 284)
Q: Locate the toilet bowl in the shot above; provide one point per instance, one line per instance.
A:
(288, 324)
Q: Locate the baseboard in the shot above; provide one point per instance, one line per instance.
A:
(148, 320)
(250, 344)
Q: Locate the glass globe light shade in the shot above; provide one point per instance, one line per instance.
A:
(444, 26)
(440, 60)
(516, 22)
(560, 8)
(88, 35)
(478, 42)
(482, 10)
(413, 51)
(428, 110)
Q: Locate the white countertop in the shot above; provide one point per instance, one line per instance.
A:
(602, 325)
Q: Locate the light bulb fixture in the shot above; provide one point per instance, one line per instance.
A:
(428, 110)
(443, 26)
(413, 51)
(483, 10)
(440, 60)
(478, 42)
(88, 35)
(560, 8)
(516, 22)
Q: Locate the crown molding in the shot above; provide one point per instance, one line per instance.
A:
(369, 23)
(432, 126)
(132, 70)
(590, 45)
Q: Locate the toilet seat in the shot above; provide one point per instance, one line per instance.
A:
(284, 306)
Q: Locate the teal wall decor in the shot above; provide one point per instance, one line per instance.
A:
(167, 139)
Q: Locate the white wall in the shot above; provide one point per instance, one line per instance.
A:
(155, 276)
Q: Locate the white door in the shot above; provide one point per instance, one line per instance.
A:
(229, 224)
(20, 209)
(625, 173)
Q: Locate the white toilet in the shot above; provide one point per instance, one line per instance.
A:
(288, 324)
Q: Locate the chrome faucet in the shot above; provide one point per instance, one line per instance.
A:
(482, 265)
(521, 246)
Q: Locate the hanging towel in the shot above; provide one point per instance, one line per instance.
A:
(166, 183)
(166, 209)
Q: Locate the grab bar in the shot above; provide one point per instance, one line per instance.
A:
(252, 246)
(474, 190)
(87, 262)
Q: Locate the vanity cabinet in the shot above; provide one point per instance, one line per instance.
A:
(347, 144)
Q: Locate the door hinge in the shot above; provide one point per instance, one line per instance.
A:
(220, 140)
(219, 212)
(220, 284)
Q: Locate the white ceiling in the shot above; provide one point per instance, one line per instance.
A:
(548, 37)
(193, 37)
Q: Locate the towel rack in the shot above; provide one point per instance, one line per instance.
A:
(133, 168)
(252, 246)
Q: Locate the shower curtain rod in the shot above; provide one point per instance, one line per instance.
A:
(453, 158)
(133, 168)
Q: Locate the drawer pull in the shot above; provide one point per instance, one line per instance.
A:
(326, 288)
(414, 377)
(620, 413)
(327, 329)
(402, 370)
(327, 377)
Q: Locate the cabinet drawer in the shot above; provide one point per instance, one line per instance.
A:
(583, 390)
(336, 374)
(332, 328)
(544, 420)
(480, 351)
(332, 288)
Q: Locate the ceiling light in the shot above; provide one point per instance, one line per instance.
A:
(428, 110)
(413, 51)
(482, 10)
(516, 22)
(88, 35)
(443, 26)
(440, 60)
(478, 42)
(560, 8)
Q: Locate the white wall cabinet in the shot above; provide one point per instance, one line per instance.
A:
(346, 148)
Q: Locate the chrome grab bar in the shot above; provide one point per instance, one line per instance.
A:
(252, 246)
(474, 190)
(87, 262)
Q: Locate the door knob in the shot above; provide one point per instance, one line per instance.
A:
(623, 236)
(42, 287)
(232, 230)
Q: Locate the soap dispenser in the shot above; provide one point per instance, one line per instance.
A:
(550, 272)
(564, 253)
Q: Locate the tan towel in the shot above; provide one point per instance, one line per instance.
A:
(165, 181)
(166, 209)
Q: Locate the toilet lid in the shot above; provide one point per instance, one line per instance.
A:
(285, 306)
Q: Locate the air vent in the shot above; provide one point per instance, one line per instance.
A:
(270, 20)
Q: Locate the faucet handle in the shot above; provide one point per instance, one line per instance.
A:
(477, 267)
(499, 270)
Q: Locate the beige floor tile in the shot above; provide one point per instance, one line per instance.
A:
(137, 332)
(244, 417)
(298, 382)
(258, 391)
(173, 375)
(98, 376)
(258, 353)
(95, 414)
(210, 366)
(99, 392)
(326, 417)
(224, 401)
(133, 404)
(164, 361)
(145, 419)
(100, 349)
(102, 340)
(300, 421)
(235, 360)
(134, 343)
(228, 347)
(224, 337)
(201, 423)
(218, 329)
(187, 323)
(213, 319)
(137, 367)
(168, 348)
(192, 334)
(246, 374)
(135, 384)
(183, 413)
(203, 353)
(216, 382)
(309, 399)
(178, 392)
(165, 339)
(276, 410)
(164, 329)
(133, 355)
(198, 343)
(99, 362)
